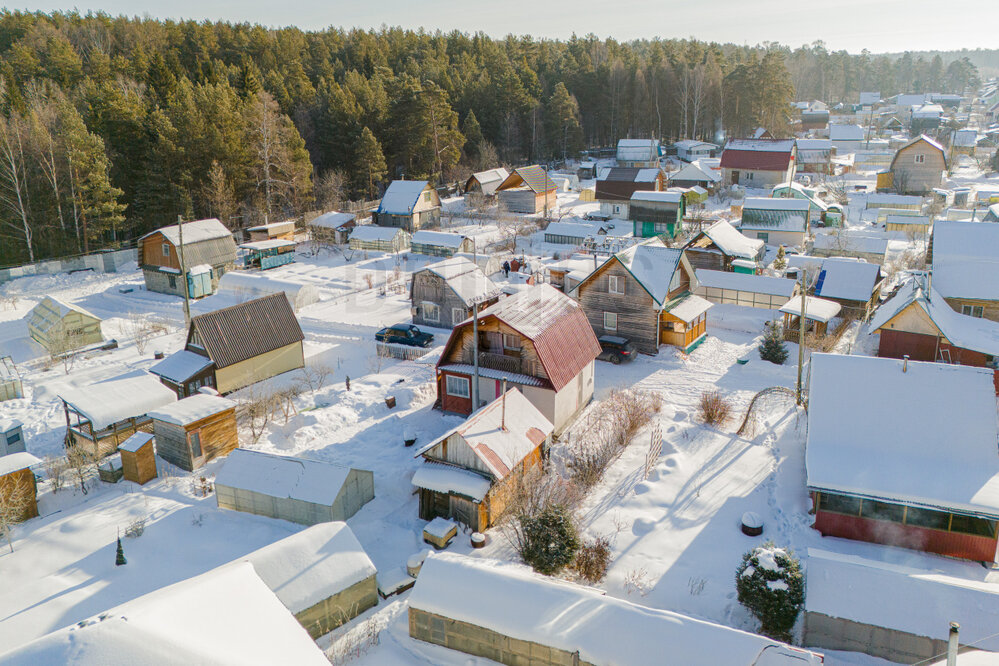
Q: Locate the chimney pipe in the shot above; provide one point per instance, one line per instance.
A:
(503, 407)
(905, 362)
(952, 644)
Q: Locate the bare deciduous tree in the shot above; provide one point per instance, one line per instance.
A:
(17, 494)
(82, 462)
(316, 376)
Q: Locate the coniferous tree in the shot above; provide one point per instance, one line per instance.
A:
(370, 167)
(119, 555)
(772, 348)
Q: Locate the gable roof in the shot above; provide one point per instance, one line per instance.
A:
(658, 197)
(194, 232)
(438, 238)
(694, 172)
(283, 476)
(865, 438)
(533, 177)
(847, 280)
(846, 133)
(401, 196)
(245, 330)
(115, 400)
(555, 324)
(631, 174)
(922, 138)
(762, 154)
(767, 214)
(465, 279)
(652, 264)
(193, 408)
(332, 220)
(965, 261)
(488, 180)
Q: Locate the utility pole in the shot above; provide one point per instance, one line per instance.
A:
(801, 339)
(475, 335)
(183, 273)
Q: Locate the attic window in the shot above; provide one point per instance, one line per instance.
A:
(615, 284)
(920, 159)
(511, 341)
(166, 249)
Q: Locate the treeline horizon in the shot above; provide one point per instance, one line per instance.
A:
(114, 126)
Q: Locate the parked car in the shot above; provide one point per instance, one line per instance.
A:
(615, 349)
(405, 334)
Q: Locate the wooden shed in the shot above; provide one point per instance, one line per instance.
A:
(481, 186)
(10, 380)
(193, 431)
(138, 458)
(440, 243)
(379, 239)
(332, 228)
(718, 246)
(61, 327)
(17, 483)
(527, 190)
(322, 576)
(818, 313)
(11, 436)
(275, 230)
(294, 489)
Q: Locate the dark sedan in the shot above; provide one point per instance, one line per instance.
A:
(405, 334)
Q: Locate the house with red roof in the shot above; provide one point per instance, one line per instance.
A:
(758, 162)
(538, 340)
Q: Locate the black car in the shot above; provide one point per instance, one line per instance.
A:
(405, 334)
(615, 349)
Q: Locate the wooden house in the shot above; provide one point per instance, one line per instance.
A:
(440, 244)
(854, 284)
(209, 251)
(758, 162)
(11, 387)
(332, 228)
(882, 471)
(918, 166)
(481, 186)
(321, 575)
(615, 186)
(644, 294)
(103, 415)
(443, 294)
(410, 205)
(656, 213)
(17, 484)
(539, 340)
(846, 138)
(690, 150)
(273, 231)
(918, 323)
(917, 226)
(754, 291)
(964, 266)
(469, 474)
(776, 221)
(638, 153)
(694, 175)
(818, 313)
(11, 436)
(527, 190)
(62, 327)
(719, 245)
(379, 239)
(194, 431)
(236, 346)
(294, 489)
(138, 458)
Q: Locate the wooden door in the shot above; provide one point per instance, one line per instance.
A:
(464, 511)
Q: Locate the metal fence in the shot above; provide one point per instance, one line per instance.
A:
(100, 262)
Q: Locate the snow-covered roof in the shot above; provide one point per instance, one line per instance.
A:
(512, 377)
(226, 617)
(501, 438)
(244, 286)
(772, 215)
(908, 219)
(136, 441)
(332, 220)
(401, 196)
(14, 462)
(927, 111)
(439, 238)
(283, 476)
(652, 264)
(194, 408)
(696, 173)
(201, 269)
(312, 565)
(889, 200)
(757, 284)
(371, 232)
(58, 306)
(269, 244)
(844, 242)
(659, 197)
(532, 311)
(880, 427)
(688, 307)
(181, 365)
(965, 137)
(115, 400)
(287, 225)
(7, 424)
(578, 229)
(733, 243)
(450, 479)
(847, 280)
(816, 309)
(490, 179)
(194, 232)
(687, 144)
(761, 145)
(965, 260)
(814, 144)
(846, 133)
(467, 281)
(868, 98)
(770, 203)
(893, 596)
(513, 601)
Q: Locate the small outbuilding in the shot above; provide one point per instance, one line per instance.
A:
(776, 221)
(17, 484)
(273, 231)
(656, 213)
(332, 228)
(193, 431)
(854, 284)
(267, 254)
(61, 327)
(818, 313)
(694, 174)
(755, 291)
(379, 239)
(10, 381)
(481, 187)
(11, 436)
(138, 458)
(322, 576)
(301, 491)
(721, 244)
(527, 190)
(440, 243)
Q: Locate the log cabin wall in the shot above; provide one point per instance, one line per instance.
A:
(217, 433)
(635, 309)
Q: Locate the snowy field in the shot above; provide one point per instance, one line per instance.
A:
(675, 535)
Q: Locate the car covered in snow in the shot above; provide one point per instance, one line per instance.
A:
(405, 334)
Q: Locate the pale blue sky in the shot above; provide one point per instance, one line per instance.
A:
(878, 25)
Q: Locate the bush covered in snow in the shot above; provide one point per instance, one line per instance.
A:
(770, 584)
(773, 348)
(548, 540)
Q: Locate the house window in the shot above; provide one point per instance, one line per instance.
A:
(427, 196)
(920, 159)
(457, 386)
(615, 284)
(839, 504)
(13, 438)
(195, 444)
(749, 176)
(166, 249)
(765, 237)
(610, 321)
(511, 341)
(458, 314)
(972, 310)
(172, 279)
(431, 311)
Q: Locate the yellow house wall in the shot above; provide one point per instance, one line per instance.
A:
(261, 367)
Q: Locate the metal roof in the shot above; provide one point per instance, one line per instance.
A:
(534, 177)
(240, 332)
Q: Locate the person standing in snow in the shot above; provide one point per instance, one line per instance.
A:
(506, 269)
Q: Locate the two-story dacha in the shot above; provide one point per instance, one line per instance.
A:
(443, 294)
(209, 251)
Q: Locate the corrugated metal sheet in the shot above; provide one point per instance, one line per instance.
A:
(534, 177)
(236, 333)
